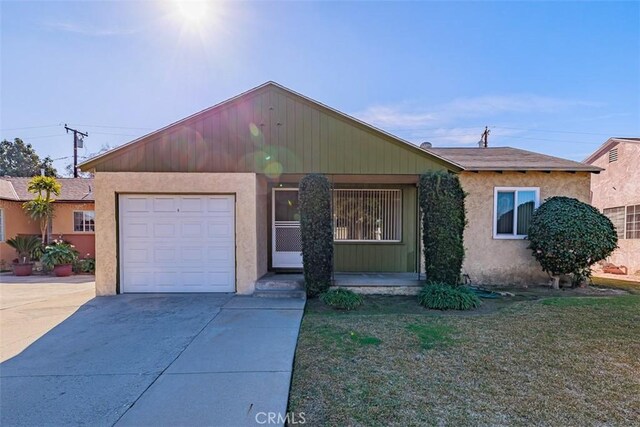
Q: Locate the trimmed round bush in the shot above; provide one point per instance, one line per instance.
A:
(316, 232)
(567, 236)
(443, 223)
(440, 296)
(341, 299)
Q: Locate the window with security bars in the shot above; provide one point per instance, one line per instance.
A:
(367, 215)
(633, 222)
(617, 217)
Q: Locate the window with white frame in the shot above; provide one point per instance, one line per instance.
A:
(617, 217)
(84, 221)
(633, 222)
(367, 215)
(1, 225)
(512, 210)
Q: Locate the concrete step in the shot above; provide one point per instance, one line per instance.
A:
(279, 293)
(266, 284)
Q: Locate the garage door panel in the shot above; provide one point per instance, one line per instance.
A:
(191, 204)
(164, 254)
(164, 229)
(219, 230)
(219, 204)
(135, 204)
(173, 243)
(137, 255)
(165, 204)
(192, 229)
(135, 229)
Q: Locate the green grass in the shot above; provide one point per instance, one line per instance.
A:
(538, 361)
(606, 303)
(608, 282)
(431, 335)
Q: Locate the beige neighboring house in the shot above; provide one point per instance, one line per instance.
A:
(616, 192)
(210, 202)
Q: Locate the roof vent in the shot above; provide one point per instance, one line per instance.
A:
(426, 145)
(613, 155)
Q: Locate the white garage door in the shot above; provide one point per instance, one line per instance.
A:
(177, 243)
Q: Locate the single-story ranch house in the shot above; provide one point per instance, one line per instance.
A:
(73, 219)
(209, 203)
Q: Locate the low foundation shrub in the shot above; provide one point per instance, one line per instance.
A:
(440, 296)
(341, 299)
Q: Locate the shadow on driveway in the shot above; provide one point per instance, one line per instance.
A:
(156, 359)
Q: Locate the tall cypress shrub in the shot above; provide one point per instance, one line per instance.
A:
(317, 233)
(443, 223)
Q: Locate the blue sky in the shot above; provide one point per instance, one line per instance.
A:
(554, 77)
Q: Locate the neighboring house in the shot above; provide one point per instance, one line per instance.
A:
(209, 203)
(73, 220)
(616, 192)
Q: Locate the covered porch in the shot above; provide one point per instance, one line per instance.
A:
(375, 225)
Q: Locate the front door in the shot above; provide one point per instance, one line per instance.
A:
(286, 240)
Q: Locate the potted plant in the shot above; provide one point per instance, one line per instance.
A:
(60, 256)
(25, 246)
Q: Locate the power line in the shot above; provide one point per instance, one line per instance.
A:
(115, 134)
(26, 138)
(112, 127)
(552, 131)
(30, 127)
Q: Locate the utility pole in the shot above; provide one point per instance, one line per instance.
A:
(484, 138)
(76, 142)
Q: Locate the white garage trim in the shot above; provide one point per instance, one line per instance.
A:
(177, 243)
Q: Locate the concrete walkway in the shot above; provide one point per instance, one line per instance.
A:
(197, 359)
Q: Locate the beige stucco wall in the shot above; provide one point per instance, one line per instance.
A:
(499, 261)
(109, 184)
(262, 226)
(619, 185)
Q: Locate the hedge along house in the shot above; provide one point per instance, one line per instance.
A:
(209, 203)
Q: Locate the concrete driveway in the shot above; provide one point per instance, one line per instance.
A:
(181, 359)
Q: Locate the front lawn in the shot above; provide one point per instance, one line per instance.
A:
(552, 361)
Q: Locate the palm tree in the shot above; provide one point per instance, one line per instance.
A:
(41, 208)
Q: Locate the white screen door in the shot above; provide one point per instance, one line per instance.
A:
(286, 240)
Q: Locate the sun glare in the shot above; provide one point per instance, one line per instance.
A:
(193, 12)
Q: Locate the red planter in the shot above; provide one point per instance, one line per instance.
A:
(23, 269)
(62, 270)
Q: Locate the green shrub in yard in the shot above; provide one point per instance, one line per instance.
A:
(441, 296)
(317, 233)
(342, 299)
(443, 223)
(568, 236)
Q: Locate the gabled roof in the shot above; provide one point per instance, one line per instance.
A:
(73, 189)
(237, 106)
(608, 145)
(507, 158)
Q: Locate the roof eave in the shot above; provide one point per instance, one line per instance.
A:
(593, 169)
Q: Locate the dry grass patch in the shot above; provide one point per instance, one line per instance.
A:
(557, 361)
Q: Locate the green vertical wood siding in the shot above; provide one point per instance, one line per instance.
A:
(273, 131)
